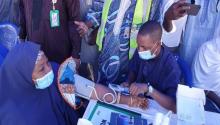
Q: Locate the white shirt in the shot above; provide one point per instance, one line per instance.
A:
(202, 46)
(206, 66)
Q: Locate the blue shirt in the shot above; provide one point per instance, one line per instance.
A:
(163, 72)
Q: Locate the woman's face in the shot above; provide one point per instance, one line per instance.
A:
(42, 67)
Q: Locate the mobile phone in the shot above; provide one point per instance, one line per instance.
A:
(194, 9)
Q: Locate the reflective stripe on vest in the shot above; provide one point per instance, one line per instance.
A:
(141, 15)
(101, 31)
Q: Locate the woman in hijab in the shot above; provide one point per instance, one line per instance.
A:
(28, 95)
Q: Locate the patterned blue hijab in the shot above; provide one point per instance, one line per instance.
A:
(20, 102)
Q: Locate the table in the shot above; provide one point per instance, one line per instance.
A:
(154, 107)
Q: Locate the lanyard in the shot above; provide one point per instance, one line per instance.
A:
(54, 2)
(218, 6)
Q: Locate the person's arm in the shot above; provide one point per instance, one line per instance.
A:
(93, 18)
(133, 68)
(22, 33)
(131, 77)
(215, 98)
(132, 101)
(172, 11)
(167, 96)
(73, 13)
(134, 64)
(164, 100)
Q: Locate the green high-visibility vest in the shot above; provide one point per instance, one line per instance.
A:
(141, 15)
(101, 31)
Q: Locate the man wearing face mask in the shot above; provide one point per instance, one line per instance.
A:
(154, 71)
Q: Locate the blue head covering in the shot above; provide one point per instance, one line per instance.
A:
(21, 103)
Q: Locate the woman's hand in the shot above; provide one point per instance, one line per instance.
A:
(138, 102)
(67, 88)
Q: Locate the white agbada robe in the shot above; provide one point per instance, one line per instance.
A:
(199, 29)
(206, 65)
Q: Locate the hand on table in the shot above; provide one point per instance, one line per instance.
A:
(138, 88)
(125, 84)
(138, 102)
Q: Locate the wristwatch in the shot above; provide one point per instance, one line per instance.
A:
(149, 91)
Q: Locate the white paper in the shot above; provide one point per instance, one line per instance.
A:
(84, 122)
(82, 88)
(190, 105)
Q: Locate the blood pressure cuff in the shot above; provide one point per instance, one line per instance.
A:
(84, 87)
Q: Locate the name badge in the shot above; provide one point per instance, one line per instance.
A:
(54, 18)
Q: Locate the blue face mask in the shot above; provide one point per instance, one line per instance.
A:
(147, 55)
(45, 81)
